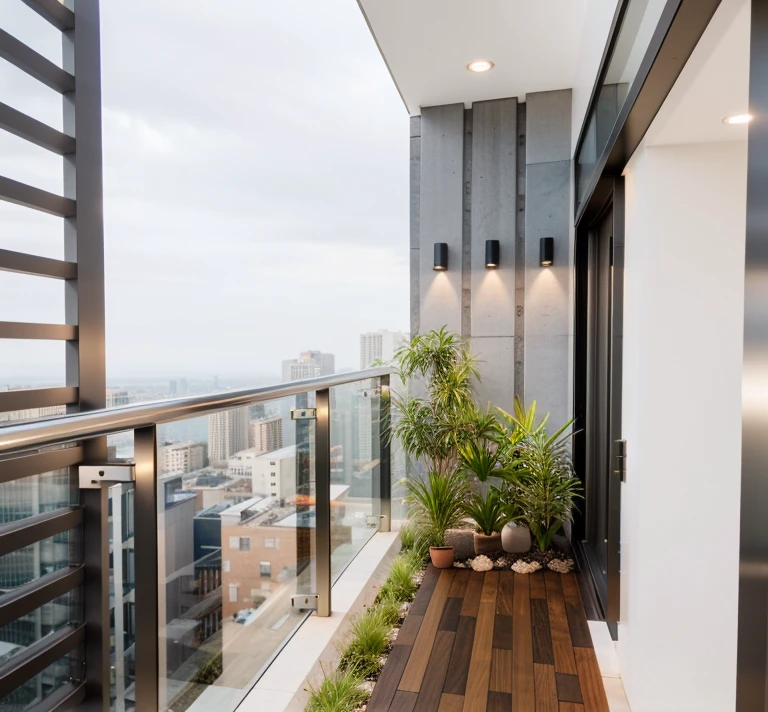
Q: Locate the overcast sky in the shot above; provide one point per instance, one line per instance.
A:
(255, 187)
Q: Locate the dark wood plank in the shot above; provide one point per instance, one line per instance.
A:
(537, 585)
(458, 669)
(591, 681)
(472, 597)
(546, 688)
(568, 688)
(409, 630)
(386, 687)
(501, 671)
(459, 586)
(424, 594)
(523, 699)
(404, 702)
(542, 639)
(451, 613)
(476, 696)
(451, 703)
(577, 618)
(417, 663)
(432, 686)
(562, 648)
(505, 596)
(502, 632)
(499, 702)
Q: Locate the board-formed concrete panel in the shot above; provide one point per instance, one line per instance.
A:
(549, 122)
(497, 371)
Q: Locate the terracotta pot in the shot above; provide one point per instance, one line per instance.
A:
(516, 539)
(487, 544)
(442, 556)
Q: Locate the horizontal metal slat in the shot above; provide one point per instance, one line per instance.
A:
(54, 11)
(66, 698)
(13, 191)
(18, 467)
(23, 263)
(17, 535)
(26, 330)
(25, 398)
(30, 597)
(34, 64)
(39, 656)
(35, 131)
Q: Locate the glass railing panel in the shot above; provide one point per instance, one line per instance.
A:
(17, 636)
(236, 529)
(34, 693)
(37, 494)
(634, 37)
(23, 566)
(355, 463)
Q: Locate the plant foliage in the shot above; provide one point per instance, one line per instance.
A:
(399, 585)
(488, 511)
(437, 503)
(370, 638)
(339, 692)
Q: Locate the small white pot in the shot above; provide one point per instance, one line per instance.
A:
(515, 539)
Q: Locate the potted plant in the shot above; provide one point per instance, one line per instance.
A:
(489, 514)
(515, 535)
(546, 485)
(437, 503)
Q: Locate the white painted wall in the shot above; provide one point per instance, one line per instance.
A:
(684, 286)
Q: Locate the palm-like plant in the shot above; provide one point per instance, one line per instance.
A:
(516, 427)
(431, 427)
(488, 511)
(481, 458)
(546, 486)
(437, 504)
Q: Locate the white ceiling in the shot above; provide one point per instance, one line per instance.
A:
(713, 84)
(427, 45)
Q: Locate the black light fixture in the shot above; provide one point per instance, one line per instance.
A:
(441, 257)
(546, 251)
(491, 254)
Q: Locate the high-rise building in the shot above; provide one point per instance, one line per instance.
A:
(115, 398)
(309, 364)
(227, 434)
(266, 434)
(380, 346)
(181, 458)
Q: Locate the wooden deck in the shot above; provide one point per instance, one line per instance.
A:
(487, 642)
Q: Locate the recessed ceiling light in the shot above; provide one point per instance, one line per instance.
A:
(738, 119)
(480, 65)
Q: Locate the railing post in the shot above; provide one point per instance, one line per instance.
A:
(145, 546)
(385, 455)
(323, 502)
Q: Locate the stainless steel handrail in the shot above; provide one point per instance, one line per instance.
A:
(82, 426)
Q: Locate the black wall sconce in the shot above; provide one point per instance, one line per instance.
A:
(441, 257)
(491, 254)
(546, 251)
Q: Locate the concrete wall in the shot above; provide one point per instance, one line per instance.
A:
(684, 287)
(489, 173)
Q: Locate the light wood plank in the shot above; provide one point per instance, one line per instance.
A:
(523, 699)
(417, 663)
(506, 593)
(571, 707)
(476, 696)
(459, 586)
(451, 703)
(562, 647)
(546, 688)
(501, 671)
(472, 597)
(592, 689)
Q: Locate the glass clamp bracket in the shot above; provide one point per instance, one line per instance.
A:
(92, 476)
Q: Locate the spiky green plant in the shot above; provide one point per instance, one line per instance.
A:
(407, 537)
(516, 427)
(339, 692)
(546, 485)
(370, 638)
(483, 459)
(399, 584)
(488, 511)
(389, 609)
(437, 503)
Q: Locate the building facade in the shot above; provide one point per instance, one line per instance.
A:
(227, 434)
(181, 458)
(266, 434)
(380, 346)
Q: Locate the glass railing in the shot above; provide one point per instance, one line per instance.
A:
(244, 509)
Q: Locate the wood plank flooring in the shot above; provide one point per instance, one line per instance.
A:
(493, 642)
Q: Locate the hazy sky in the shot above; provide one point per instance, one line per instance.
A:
(255, 180)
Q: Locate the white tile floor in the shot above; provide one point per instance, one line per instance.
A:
(608, 660)
(287, 673)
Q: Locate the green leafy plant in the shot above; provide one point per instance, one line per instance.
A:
(407, 537)
(546, 485)
(515, 428)
(437, 503)
(339, 692)
(488, 511)
(399, 584)
(389, 609)
(370, 638)
(483, 459)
